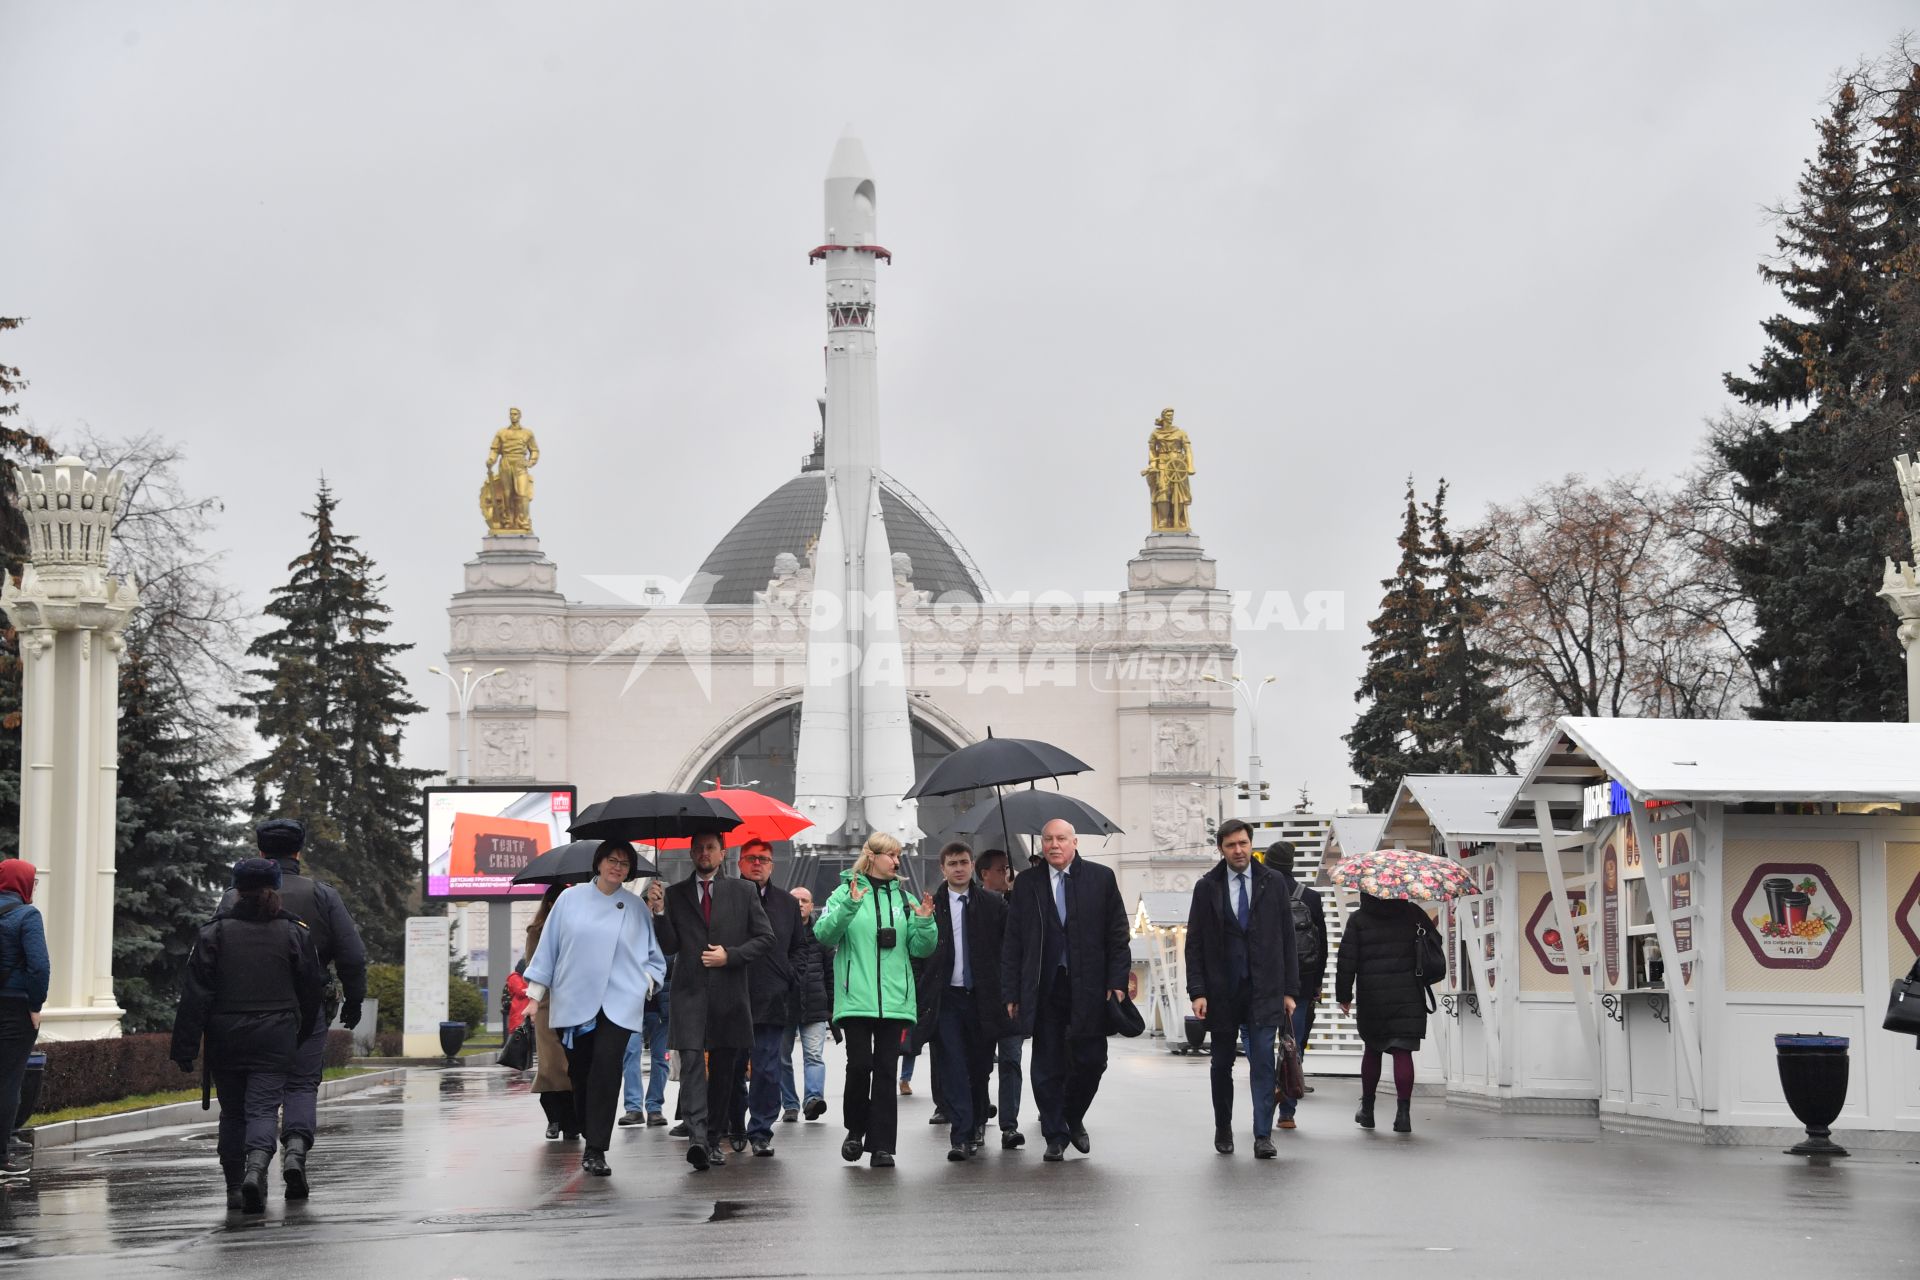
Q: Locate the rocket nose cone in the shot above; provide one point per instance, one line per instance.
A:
(849, 159)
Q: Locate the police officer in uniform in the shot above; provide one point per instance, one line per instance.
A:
(251, 988)
(337, 942)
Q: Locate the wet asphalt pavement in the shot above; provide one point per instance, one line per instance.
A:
(445, 1175)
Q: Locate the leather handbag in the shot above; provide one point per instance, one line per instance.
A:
(1903, 1004)
(1289, 1081)
(517, 1053)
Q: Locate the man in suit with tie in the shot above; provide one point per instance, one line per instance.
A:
(717, 927)
(1066, 952)
(1243, 976)
(961, 1013)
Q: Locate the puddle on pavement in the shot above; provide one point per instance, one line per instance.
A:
(660, 1212)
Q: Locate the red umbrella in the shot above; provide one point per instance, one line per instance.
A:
(761, 818)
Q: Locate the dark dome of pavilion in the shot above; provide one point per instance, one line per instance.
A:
(789, 517)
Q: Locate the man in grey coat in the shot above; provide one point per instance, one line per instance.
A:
(717, 927)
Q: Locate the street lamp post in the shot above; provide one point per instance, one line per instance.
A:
(1249, 694)
(463, 690)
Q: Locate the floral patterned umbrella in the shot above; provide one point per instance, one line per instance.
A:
(1398, 873)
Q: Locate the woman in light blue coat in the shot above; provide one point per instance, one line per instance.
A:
(597, 963)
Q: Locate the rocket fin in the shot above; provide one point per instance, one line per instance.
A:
(821, 784)
(886, 732)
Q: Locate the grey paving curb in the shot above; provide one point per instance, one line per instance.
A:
(48, 1136)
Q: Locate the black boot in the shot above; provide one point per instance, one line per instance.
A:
(232, 1167)
(293, 1164)
(1364, 1116)
(253, 1183)
(1403, 1116)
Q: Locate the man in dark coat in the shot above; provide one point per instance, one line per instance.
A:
(996, 876)
(337, 942)
(1310, 941)
(770, 979)
(961, 1013)
(811, 1016)
(718, 927)
(1243, 976)
(1066, 951)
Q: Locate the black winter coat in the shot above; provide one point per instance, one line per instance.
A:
(812, 978)
(1099, 953)
(771, 978)
(986, 917)
(711, 1008)
(1271, 960)
(1377, 954)
(270, 968)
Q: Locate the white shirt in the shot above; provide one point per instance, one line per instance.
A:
(956, 904)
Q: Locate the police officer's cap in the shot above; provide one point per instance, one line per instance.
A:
(256, 873)
(281, 837)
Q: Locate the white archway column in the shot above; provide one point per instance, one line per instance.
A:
(70, 616)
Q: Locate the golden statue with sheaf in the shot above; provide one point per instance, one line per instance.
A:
(506, 496)
(1169, 474)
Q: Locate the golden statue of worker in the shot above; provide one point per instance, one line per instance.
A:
(1169, 474)
(506, 497)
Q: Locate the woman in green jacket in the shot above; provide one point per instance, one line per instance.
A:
(878, 931)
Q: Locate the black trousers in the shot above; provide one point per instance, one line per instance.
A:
(558, 1106)
(17, 1034)
(737, 1103)
(962, 1059)
(870, 1106)
(597, 1065)
(1065, 1071)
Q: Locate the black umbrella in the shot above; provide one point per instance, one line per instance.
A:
(1028, 811)
(996, 762)
(654, 815)
(573, 864)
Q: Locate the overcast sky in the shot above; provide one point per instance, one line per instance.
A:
(1492, 242)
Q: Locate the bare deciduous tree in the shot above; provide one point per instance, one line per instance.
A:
(1614, 598)
(189, 625)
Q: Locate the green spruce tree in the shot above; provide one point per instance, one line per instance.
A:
(1824, 646)
(175, 840)
(1892, 408)
(17, 445)
(1466, 715)
(331, 708)
(1388, 740)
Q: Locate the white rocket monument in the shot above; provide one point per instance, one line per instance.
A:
(855, 757)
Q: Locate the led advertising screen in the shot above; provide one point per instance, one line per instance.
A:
(479, 838)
